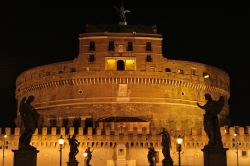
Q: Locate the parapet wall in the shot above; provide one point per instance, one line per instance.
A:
(192, 139)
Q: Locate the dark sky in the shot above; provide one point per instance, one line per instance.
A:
(216, 36)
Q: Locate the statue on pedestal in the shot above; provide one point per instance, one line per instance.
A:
(29, 118)
(122, 13)
(73, 143)
(151, 156)
(211, 123)
(166, 145)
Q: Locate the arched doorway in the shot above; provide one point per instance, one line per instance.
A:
(120, 65)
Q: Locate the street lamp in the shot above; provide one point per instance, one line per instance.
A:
(85, 155)
(179, 141)
(236, 143)
(61, 142)
(4, 137)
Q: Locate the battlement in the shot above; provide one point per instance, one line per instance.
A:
(193, 138)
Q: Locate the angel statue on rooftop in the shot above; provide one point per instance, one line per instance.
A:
(122, 13)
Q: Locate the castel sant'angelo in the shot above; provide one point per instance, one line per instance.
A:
(117, 95)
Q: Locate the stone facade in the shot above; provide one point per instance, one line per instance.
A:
(123, 73)
(120, 72)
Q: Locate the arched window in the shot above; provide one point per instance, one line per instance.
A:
(120, 65)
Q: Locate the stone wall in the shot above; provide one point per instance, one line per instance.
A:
(104, 144)
(83, 94)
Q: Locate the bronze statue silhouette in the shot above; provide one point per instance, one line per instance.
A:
(166, 145)
(88, 157)
(151, 156)
(211, 123)
(29, 118)
(73, 143)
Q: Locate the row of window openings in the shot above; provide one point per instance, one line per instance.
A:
(181, 71)
(193, 72)
(92, 58)
(149, 59)
(111, 46)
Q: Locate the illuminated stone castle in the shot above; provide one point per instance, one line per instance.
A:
(117, 95)
(121, 75)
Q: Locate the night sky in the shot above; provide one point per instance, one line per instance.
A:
(216, 36)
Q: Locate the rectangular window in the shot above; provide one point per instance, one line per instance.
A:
(111, 45)
(167, 70)
(72, 70)
(91, 46)
(130, 64)
(244, 153)
(180, 71)
(148, 46)
(149, 58)
(91, 58)
(193, 71)
(130, 46)
(111, 64)
(118, 63)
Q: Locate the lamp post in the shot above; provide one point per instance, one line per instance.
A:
(236, 144)
(61, 142)
(179, 141)
(4, 137)
(154, 158)
(85, 154)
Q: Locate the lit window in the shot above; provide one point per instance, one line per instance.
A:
(130, 64)
(180, 71)
(205, 75)
(111, 64)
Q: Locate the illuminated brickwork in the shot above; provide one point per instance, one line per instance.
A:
(121, 74)
(111, 77)
(104, 143)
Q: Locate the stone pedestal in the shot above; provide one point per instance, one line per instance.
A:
(72, 163)
(25, 157)
(214, 156)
